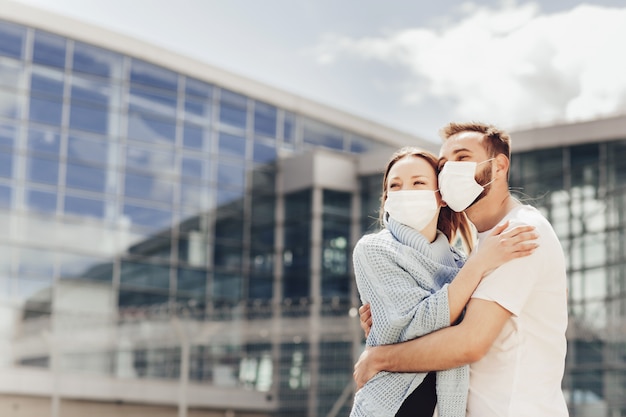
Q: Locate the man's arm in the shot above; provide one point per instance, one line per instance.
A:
(447, 348)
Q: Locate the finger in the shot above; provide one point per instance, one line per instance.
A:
(517, 230)
(500, 228)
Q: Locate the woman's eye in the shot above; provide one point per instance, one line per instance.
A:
(418, 183)
(392, 186)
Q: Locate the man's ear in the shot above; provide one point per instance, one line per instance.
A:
(502, 164)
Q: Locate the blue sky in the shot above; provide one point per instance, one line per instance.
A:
(413, 65)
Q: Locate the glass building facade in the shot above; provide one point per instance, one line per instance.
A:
(150, 235)
(581, 189)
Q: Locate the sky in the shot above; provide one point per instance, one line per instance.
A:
(413, 65)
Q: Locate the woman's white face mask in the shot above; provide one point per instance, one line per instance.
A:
(458, 185)
(414, 208)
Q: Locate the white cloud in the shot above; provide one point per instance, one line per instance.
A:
(513, 66)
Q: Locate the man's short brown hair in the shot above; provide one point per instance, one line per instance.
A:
(495, 141)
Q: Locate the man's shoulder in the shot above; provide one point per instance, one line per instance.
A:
(529, 215)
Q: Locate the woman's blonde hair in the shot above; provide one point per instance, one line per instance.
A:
(452, 224)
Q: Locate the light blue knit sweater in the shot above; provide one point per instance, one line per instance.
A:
(404, 278)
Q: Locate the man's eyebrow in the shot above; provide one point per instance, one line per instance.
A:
(459, 150)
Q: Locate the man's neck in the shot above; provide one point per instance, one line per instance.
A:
(489, 211)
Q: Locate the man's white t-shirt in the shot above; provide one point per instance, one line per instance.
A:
(521, 374)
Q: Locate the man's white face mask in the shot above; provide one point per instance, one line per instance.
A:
(458, 185)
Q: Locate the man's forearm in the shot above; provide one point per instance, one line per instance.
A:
(444, 349)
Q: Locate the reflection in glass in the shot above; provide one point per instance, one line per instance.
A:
(47, 82)
(152, 101)
(145, 158)
(144, 275)
(151, 129)
(233, 109)
(151, 75)
(6, 195)
(44, 141)
(194, 137)
(41, 201)
(148, 187)
(75, 266)
(265, 119)
(263, 153)
(42, 170)
(10, 104)
(6, 164)
(232, 145)
(49, 49)
(11, 39)
(93, 60)
(89, 150)
(46, 111)
(320, 134)
(87, 207)
(12, 74)
(90, 119)
(146, 217)
(232, 175)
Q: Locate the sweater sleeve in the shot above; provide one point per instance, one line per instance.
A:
(403, 306)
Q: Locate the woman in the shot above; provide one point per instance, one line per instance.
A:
(405, 273)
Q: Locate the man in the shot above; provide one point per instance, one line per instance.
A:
(513, 331)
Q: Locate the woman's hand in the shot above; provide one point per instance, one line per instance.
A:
(365, 318)
(500, 246)
(364, 369)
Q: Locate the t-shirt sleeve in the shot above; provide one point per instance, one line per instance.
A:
(510, 285)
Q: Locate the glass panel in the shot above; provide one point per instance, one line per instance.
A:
(149, 218)
(91, 119)
(195, 196)
(151, 75)
(46, 111)
(88, 150)
(144, 275)
(11, 104)
(37, 263)
(151, 129)
(230, 175)
(148, 187)
(151, 101)
(233, 109)
(6, 164)
(146, 159)
(289, 128)
(319, 134)
(42, 170)
(49, 49)
(192, 168)
(159, 247)
(8, 134)
(198, 88)
(92, 60)
(198, 111)
(11, 39)
(75, 266)
(44, 141)
(88, 90)
(194, 137)
(41, 201)
(263, 153)
(12, 74)
(140, 299)
(47, 82)
(231, 145)
(265, 119)
(227, 287)
(84, 207)
(228, 196)
(6, 194)
(192, 281)
(86, 178)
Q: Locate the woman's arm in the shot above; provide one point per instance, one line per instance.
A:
(499, 248)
